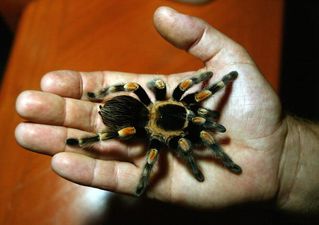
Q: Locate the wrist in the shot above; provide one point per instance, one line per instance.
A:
(299, 167)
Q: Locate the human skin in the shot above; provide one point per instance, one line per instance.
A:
(266, 143)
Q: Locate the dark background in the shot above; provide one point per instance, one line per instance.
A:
(6, 38)
(299, 89)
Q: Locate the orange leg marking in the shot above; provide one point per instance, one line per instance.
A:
(160, 84)
(198, 120)
(200, 96)
(131, 86)
(152, 156)
(205, 136)
(185, 85)
(126, 132)
(183, 144)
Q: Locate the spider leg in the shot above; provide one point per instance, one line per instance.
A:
(208, 124)
(128, 87)
(203, 112)
(158, 86)
(186, 84)
(218, 152)
(207, 92)
(151, 159)
(124, 133)
(184, 150)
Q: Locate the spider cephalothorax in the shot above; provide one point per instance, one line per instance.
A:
(178, 122)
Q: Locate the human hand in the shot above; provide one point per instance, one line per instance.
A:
(251, 113)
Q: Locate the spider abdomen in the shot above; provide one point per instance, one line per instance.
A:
(124, 111)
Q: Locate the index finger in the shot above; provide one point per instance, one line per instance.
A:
(74, 84)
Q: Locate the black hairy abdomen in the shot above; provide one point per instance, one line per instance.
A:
(124, 111)
(171, 117)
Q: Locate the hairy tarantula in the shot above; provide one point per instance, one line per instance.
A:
(178, 122)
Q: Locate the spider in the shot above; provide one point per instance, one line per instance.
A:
(179, 123)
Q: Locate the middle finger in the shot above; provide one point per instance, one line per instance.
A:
(51, 109)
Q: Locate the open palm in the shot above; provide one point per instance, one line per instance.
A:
(250, 111)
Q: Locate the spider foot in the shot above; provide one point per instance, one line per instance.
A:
(188, 83)
(151, 159)
(184, 150)
(219, 153)
(211, 90)
(225, 159)
(82, 142)
(72, 142)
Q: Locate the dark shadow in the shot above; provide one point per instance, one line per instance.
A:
(128, 210)
(300, 77)
(6, 37)
(121, 209)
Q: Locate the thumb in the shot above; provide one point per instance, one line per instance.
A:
(197, 37)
